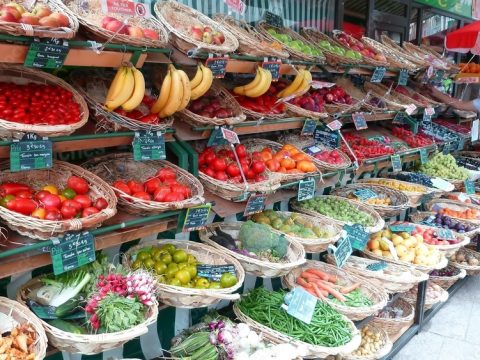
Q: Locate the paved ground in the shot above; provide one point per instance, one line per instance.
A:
(453, 333)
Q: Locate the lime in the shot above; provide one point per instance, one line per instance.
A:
(192, 269)
(182, 265)
(160, 267)
(166, 258)
(173, 266)
(202, 283)
(180, 256)
(170, 274)
(215, 285)
(68, 193)
(228, 280)
(148, 263)
(183, 276)
(174, 282)
(143, 255)
(169, 247)
(137, 264)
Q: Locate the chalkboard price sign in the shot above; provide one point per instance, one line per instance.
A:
(148, 145)
(325, 136)
(273, 67)
(46, 53)
(469, 187)
(273, 19)
(342, 251)
(399, 118)
(73, 251)
(357, 236)
(30, 153)
(403, 77)
(306, 189)
(255, 204)
(423, 156)
(216, 137)
(378, 74)
(218, 65)
(301, 304)
(396, 163)
(309, 127)
(196, 217)
(359, 121)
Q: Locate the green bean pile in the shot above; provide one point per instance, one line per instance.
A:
(354, 299)
(328, 328)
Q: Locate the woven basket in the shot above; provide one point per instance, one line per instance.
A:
(253, 266)
(470, 269)
(393, 279)
(122, 166)
(14, 314)
(379, 92)
(424, 55)
(446, 281)
(190, 298)
(226, 99)
(383, 351)
(394, 326)
(22, 75)
(251, 114)
(312, 245)
(436, 204)
(397, 96)
(89, 14)
(82, 343)
(469, 154)
(411, 297)
(405, 54)
(251, 42)
(315, 36)
(263, 27)
(400, 201)
(57, 175)
(379, 223)
(414, 197)
(365, 59)
(435, 193)
(94, 88)
(375, 292)
(313, 351)
(298, 111)
(393, 57)
(420, 216)
(178, 18)
(362, 98)
(18, 29)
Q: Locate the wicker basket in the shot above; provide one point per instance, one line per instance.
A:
(397, 96)
(325, 166)
(420, 216)
(435, 192)
(178, 18)
(57, 175)
(18, 29)
(190, 298)
(254, 115)
(426, 269)
(226, 99)
(380, 353)
(393, 279)
(393, 57)
(313, 351)
(391, 102)
(379, 223)
(421, 54)
(414, 197)
(260, 268)
(437, 204)
(22, 75)
(122, 166)
(94, 88)
(446, 281)
(14, 314)
(394, 326)
(411, 297)
(297, 111)
(470, 269)
(365, 59)
(82, 343)
(315, 36)
(400, 201)
(263, 27)
(251, 42)
(405, 54)
(375, 292)
(89, 14)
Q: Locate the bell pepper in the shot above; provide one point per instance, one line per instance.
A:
(12, 188)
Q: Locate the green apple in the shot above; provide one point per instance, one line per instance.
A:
(272, 32)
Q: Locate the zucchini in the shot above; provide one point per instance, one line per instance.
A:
(69, 306)
(67, 326)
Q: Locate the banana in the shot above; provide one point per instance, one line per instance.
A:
(138, 92)
(240, 90)
(305, 84)
(187, 90)
(175, 96)
(164, 92)
(293, 87)
(125, 93)
(116, 85)
(262, 87)
(197, 79)
(203, 87)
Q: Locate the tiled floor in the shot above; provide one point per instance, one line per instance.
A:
(453, 333)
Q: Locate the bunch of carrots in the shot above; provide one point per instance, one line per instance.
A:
(465, 214)
(322, 284)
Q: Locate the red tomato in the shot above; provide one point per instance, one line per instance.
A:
(142, 195)
(209, 157)
(68, 211)
(89, 211)
(219, 164)
(245, 168)
(170, 197)
(134, 186)
(78, 184)
(159, 194)
(72, 203)
(83, 200)
(51, 201)
(166, 174)
(41, 194)
(22, 206)
(53, 215)
(250, 174)
(209, 172)
(182, 189)
(120, 185)
(241, 151)
(152, 185)
(24, 194)
(101, 204)
(233, 170)
(258, 167)
(220, 175)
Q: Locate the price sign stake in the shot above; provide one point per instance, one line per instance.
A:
(196, 217)
(73, 251)
(31, 153)
(255, 204)
(396, 163)
(341, 252)
(306, 189)
(148, 145)
(378, 74)
(218, 65)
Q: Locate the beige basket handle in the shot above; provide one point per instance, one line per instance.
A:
(232, 297)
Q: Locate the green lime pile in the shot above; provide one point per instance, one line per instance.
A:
(296, 45)
(445, 167)
(327, 46)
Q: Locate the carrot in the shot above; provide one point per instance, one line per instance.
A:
(318, 273)
(301, 281)
(318, 292)
(335, 286)
(311, 291)
(348, 289)
(338, 295)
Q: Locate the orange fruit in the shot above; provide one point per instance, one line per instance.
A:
(288, 163)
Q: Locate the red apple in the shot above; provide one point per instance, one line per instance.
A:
(218, 38)
(207, 29)
(61, 19)
(197, 32)
(7, 16)
(115, 26)
(13, 11)
(151, 34)
(29, 18)
(207, 37)
(106, 20)
(19, 7)
(41, 10)
(48, 21)
(135, 31)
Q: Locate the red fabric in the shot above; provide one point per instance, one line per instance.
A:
(356, 31)
(464, 38)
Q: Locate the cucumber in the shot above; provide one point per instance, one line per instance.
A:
(67, 326)
(69, 306)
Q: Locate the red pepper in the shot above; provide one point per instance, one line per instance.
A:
(22, 206)
(13, 188)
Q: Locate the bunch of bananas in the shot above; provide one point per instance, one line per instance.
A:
(175, 93)
(127, 89)
(201, 82)
(258, 86)
(299, 86)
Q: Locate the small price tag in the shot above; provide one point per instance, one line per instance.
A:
(148, 145)
(469, 187)
(273, 19)
(410, 109)
(359, 121)
(309, 127)
(474, 131)
(312, 150)
(128, 8)
(324, 135)
(423, 156)
(357, 236)
(236, 5)
(74, 250)
(396, 163)
(315, 84)
(378, 74)
(196, 217)
(426, 117)
(442, 184)
(429, 111)
(365, 194)
(230, 136)
(461, 144)
(341, 252)
(31, 153)
(334, 125)
(46, 53)
(445, 234)
(214, 272)
(403, 77)
(218, 65)
(306, 189)
(446, 149)
(438, 76)
(216, 137)
(399, 118)
(301, 304)
(402, 227)
(255, 204)
(377, 266)
(273, 67)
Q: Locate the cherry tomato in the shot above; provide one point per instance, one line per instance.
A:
(101, 204)
(78, 184)
(89, 211)
(134, 186)
(122, 186)
(52, 189)
(142, 195)
(68, 193)
(152, 185)
(83, 200)
(69, 211)
(39, 213)
(51, 201)
(53, 215)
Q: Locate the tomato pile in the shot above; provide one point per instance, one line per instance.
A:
(330, 156)
(163, 187)
(265, 104)
(288, 160)
(136, 114)
(363, 148)
(211, 107)
(413, 140)
(37, 104)
(51, 203)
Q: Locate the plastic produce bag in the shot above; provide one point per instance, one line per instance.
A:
(259, 238)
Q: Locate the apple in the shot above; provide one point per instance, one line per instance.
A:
(135, 31)
(61, 19)
(19, 7)
(207, 29)
(106, 20)
(13, 11)
(207, 37)
(29, 18)
(151, 34)
(218, 38)
(7, 16)
(197, 32)
(48, 21)
(115, 26)
(41, 10)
